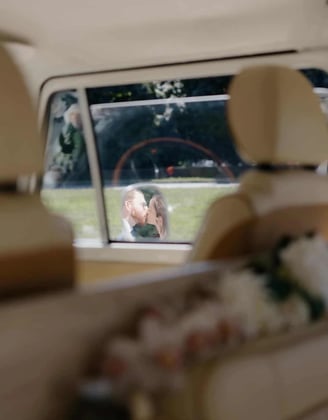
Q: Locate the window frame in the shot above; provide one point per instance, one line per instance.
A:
(141, 252)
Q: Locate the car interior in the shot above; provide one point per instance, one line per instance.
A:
(216, 110)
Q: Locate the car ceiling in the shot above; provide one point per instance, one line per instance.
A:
(50, 38)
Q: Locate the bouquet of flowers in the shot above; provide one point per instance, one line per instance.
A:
(272, 292)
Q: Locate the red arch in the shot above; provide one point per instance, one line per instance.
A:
(141, 144)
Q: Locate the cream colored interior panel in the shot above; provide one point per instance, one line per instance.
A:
(243, 389)
(281, 377)
(278, 384)
(91, 271)
(302, 375)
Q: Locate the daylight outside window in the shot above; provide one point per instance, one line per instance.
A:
(182, 153)
(165, 153)
(67, 187)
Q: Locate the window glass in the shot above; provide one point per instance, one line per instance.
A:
(171, 135)
(67, 187)
(165, 153)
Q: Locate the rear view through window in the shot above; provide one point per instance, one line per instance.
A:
(164, 154)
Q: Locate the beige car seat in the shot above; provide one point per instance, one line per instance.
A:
(277, 123)
(36, 251)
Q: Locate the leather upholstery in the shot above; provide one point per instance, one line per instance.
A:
(276, 119)
(20, 143)
(35, 247)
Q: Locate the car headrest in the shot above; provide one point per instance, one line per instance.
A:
(276, 118)
(20, 143)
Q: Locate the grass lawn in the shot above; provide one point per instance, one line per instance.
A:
(187, 206)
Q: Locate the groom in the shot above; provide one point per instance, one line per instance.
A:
(134, 214)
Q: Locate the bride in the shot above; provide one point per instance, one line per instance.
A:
(157, 215)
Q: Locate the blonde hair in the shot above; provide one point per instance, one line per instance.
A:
(130, 194)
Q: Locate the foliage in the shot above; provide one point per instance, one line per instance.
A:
(120, 129)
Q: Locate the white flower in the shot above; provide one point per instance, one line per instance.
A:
(307, 260)
(204, 318)
(245, 297)
(125, 348)
(122, 355)
(295, 311)
(139, 370)
(156, 335)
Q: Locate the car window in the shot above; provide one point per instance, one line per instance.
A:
(164, 153)
(172, 135)
(67, 187)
